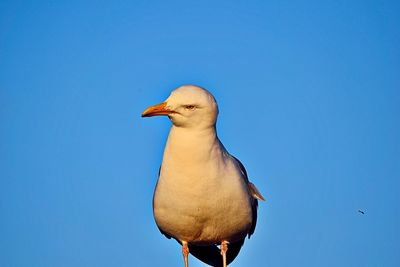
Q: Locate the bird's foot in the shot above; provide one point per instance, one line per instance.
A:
(185, 252)
(224, 249)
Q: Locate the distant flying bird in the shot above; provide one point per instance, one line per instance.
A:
(203, 197)
(360, 211)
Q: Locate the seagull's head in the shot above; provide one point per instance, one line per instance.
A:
(188, 106)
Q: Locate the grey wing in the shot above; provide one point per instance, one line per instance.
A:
(254, 204)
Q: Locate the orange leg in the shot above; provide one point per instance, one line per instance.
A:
(224, 249)
(185, 252)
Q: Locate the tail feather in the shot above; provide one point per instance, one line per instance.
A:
(211, 255)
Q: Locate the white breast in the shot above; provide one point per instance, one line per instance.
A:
(201, 196)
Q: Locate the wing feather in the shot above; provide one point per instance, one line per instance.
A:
(256, 195)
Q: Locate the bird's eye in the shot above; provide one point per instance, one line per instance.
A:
(190, 107)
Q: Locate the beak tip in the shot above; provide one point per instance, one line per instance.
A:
(145, 114)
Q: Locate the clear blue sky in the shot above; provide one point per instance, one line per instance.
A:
(309, 96)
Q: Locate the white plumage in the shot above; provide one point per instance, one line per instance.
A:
(203, 197)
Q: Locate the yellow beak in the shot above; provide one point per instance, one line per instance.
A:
(157, 110)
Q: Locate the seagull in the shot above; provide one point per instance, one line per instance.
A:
(203, 197)
(360, 211)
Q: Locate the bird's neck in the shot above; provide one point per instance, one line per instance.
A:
(197, 145)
